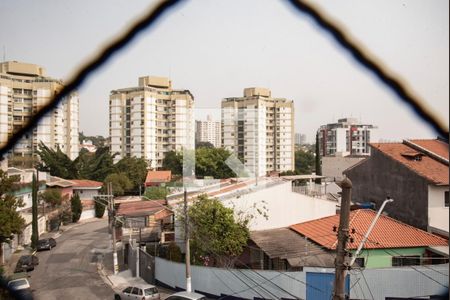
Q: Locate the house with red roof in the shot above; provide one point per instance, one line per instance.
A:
(415, 173)
(146, 221)
(158, 178)
(390, 244)
(87, 190)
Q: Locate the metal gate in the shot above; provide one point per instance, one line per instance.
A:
(319, 286)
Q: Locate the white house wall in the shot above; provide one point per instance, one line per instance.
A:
(437, 212)
(284, 207)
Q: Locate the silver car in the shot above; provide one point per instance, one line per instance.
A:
(186, 296)
(138, 291)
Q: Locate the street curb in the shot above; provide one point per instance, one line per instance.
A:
(103, 275)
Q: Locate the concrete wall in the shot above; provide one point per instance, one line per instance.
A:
(283, 207)
(437, 212)
(379, 176)
(333, 166)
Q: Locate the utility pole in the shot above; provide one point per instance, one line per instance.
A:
(188, 250)
(343, 234)
(113, 216)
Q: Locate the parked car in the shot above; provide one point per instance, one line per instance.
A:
(19, 284)
(46, 244)
(20, 289)
(138, 291)
(186, 296)
(26, 263)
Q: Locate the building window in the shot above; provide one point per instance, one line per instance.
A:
(360, 261)
(446, 203)
(399, 261)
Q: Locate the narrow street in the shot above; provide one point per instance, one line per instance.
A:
(69, 271)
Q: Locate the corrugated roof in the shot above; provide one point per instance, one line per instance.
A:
(387, 233)
(158, 176)
(284, 243)
(433, 170)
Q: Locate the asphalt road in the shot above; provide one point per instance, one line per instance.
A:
(69, 271)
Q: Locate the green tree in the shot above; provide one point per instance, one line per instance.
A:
(173, 161)
(156, 193)
(215, 232)
(211, 162)
(10, 220)
(56, 163)
(76, 207)
(52, 197)
(203, 145)
(120, 183)
(101, 165)
(135, 169)
(100, 207)
(304, 162)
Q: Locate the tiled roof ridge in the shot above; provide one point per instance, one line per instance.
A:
(403, 224)
(386, 154)
(426, 151)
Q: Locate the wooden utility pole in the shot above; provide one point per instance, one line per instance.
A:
(343, 235)
(188, 250)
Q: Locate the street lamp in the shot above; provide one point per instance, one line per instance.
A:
(366, 236)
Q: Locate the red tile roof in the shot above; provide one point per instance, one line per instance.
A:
(433, 170)
(158, 176)
(387, 233)
(86, 183)
(437, 146)
(143, 208)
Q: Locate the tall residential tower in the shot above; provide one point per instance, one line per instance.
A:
(259, 130)
(208, 131)
(346, 137)
(150, 120)
(24, 89)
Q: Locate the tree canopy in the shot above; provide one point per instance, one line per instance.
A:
(135, 169)
(304, 162)
(94, 166)
(173, 161)
(215, 233)
(208, 162)
(120, 183)
(52, 196)
(10, 220)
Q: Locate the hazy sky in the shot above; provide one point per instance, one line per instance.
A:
(217, 48)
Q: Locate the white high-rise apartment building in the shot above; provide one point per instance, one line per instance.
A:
(346, 137)
(150, 120)
(259, 130)
(209, 131)
(24, 89)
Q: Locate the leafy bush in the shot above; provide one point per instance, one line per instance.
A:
(99, 207)
(77, 208)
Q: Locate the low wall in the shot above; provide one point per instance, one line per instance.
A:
(250, 284)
